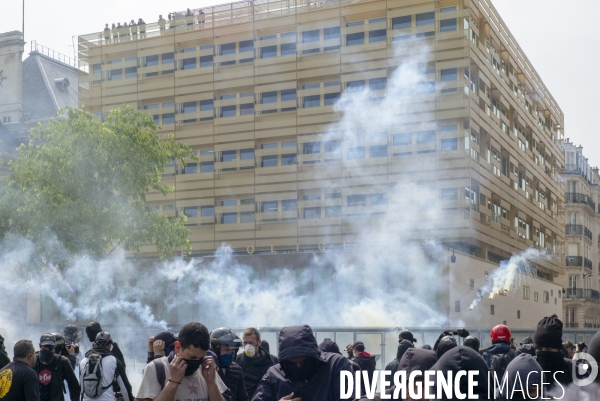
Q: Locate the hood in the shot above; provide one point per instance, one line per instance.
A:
(102, 351)
(521, 372)
(464, 358)
(329, 346)
(364, 354)
(443, 347)
(402, 347)
(498, 348)
(297, 341)
(417, 359)
(526, 349)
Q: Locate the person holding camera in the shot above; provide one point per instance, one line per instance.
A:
(53, 370)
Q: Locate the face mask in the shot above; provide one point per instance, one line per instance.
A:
(249, 350)
(192, 366)
(549, 360)
(46, 357)
(303, 373)
(226, 360)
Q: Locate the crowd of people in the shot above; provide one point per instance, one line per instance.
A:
(194, 364)
(129, 31)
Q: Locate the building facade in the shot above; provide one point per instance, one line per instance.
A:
(253, 88)
(582, 230)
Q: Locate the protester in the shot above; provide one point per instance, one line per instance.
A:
(134, 29)
(162, 344)
(142, 27)
(255, 360)
(523, 380)
(304, 371)
(403, 346)
(407, 335)
(161, 23)
(365, 361)
(225, 343)
(265, 345)
(92, 331)
(18, 380)
(102, 375)
(580, 349)
(67, 351)
(499, 354)
(327, 345)
(350, 351)
(106, 33)
(178, 376)
(115, 32)
(472, 342)
(464, 359)
(53, 370)
(446, 344)
(4, 359)
(548, 351)
(526, 347)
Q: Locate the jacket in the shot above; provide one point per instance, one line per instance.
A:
(367, 363)
(522, 371)
(233, 377)
(403, 346)
(255, 368)
(464, 358)
(323, 385)
(23, 384)
(59, 371)
(505, 354)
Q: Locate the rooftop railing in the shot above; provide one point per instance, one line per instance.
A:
(37, 48)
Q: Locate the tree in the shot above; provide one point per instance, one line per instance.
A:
(85, 181)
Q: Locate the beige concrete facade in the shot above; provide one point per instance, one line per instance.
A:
(11, 93)
(582, 230)
(250, 86)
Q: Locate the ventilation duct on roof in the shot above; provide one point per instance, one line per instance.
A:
(62, 83)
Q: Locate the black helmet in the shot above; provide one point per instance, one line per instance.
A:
(71, 330)
(224, 336)
(472, 342)
(103, 339)
(60, 342)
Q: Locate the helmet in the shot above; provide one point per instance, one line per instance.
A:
(224, 336)
(103, 338)
(71, 331)
(448, 338)
(60, 342)
(500, 334)
(472, 342)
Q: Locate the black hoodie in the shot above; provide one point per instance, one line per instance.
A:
(255, 368)
(402, 347)
(324, 385)
(464, 358)
(521, 372)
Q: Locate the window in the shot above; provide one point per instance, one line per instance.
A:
(333, 195)
(190, 63)
(207, 211)
(331, 33)
(449, 194)
(546, 297)
(206, 61)
(356, 153)
(377, 35)
(492, 310)
(316, 196)
(131, 72)
(447, 25)
(311, 148)
(190, 211)
(168, 208)
(289, 205)
(525, 292)
(355, 85)
(268, 161)
(402, 139)
(114, 75)
(228, 156)
(333, 145)
(289, 144)
(246, 217)
(288, 95)
(312, 212)
(378, 83)
(288, 159)
(168, 58)
(228, 111)
(449, 74)
(227, 48)
(449, 144)
(378, 151)
(471, 284)
(535, 296)
(308, 37)
(357, 200)
(268, 51)
(247, 108)
(206, 105)
(247, 154)
(288, 48)
(269, 206)
(230, 202)
(207, 167)
(355, 38)
(425, 18)
(456, 306)
(247, 46)
(228, 218)
(333, 211)
(311, 101)
(190, 168)
(425, 136)
(268, 97)
(378, 199)
(402, 22)
(168, 118)
(331, 98)
(188, 107)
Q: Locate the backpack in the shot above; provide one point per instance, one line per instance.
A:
(91, 379)
(498, 363)
(160, 372)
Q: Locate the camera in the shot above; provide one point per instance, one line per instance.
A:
(73, 344)
(464, 333)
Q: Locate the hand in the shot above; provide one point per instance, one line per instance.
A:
(158, 346)
(177, 369)
(71, 349)
(150, 343)
(289, 398)
(209, 370)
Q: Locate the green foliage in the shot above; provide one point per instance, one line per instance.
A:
(86, 180)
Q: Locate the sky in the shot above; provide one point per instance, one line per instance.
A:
(560, 42)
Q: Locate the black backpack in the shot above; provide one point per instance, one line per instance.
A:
(499, 362)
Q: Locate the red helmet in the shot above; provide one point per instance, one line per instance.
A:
(500, 333)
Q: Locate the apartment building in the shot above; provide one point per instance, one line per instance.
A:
(252, 87)
(582, 231)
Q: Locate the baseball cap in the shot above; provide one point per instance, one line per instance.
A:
(48, 339)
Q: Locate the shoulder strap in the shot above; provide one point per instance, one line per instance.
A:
(161, 376)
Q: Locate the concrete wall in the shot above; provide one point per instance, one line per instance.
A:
(11, 92)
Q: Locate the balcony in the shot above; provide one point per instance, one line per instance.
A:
(578, 229)
(580, 199)
(581, 293)
(575, 169)
(571, 325)
(579, 261)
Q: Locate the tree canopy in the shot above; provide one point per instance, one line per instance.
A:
(85, 181)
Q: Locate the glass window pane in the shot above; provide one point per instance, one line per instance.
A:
(131, 72)
(289, 205)
(229, 218)
(450, 74)
(331, 33)
(269, 161)
(288, 94)
(228, 155)
(378, 151)
(378, 83)
(402, 139)
(331, 98)
(207, 211)
(311, 36)
(402, 22)
(449, 144)
(228, 111)
(355, 39)
(425, 18)
(448, 25)
(268, 97)
(311, 148)
(188, 107)
(312, 212)
(207, 167)
(190, 211)
(288, 48)
(247, 217)
(168, 118)
(288, 144)
(332, 146)
(188, 63)
(246, 108)
(333, 211)
(378, 35)
(355, 85)
(378, 199)
(288, 159)
(206, 61)
(190, 168)
(311, 101)
(356, 153)
(247, 154)
(425, 136)
(268, 51)
(357, 200)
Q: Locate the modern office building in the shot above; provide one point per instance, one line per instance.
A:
(582, 230)
(252, 88)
